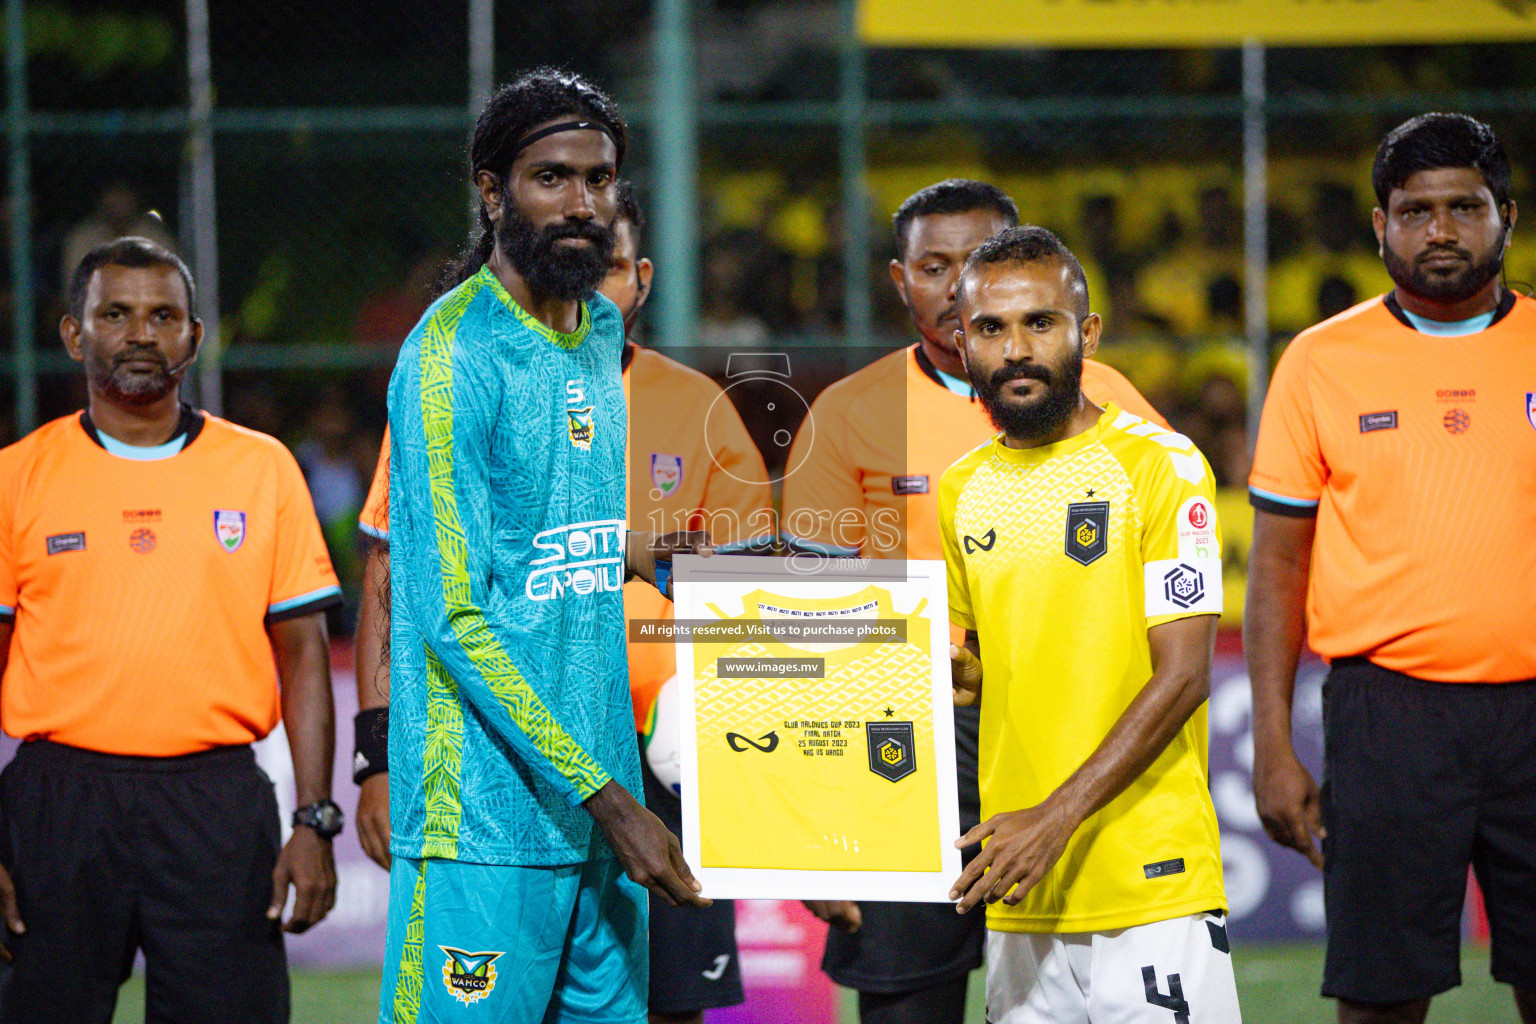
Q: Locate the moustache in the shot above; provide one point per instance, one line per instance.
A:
(585, 229)
(1026, 372)
(139, 355)
(1443, 250)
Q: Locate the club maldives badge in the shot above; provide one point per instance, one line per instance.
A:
(229, 527)
(1530, 407)
(666, 472)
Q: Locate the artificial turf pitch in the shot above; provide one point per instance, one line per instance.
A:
(1277, 985)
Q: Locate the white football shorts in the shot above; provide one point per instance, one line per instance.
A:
(1168, 972)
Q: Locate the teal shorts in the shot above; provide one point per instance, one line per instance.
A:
(479, 943)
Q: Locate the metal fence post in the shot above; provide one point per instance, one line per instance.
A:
(23, 315)
(851, 114)
(1255, 231)
(675, 174)
(482, 74)
(205, 225)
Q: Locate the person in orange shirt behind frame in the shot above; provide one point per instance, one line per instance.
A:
(863, 480)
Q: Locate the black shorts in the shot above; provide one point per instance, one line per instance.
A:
(1422, 779)
(169, 855)
(694, 964)
(903, 947)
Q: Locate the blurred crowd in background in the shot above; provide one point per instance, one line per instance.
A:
(336, 237)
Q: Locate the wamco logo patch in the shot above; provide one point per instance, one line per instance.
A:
(585, 558)
(469, 977)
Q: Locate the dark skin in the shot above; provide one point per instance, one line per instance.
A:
(143, 311)
(372, 666)
(628, 282)
(565, 176)
(303, 654)
(146, 310)
(1433, 215)
(1019, 313)
(1440, 221)
(937, 247)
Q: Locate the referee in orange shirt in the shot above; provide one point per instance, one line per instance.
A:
(1395, 487)
(161, 570)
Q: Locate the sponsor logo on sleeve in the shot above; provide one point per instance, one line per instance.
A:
(1087, 531)
(1197, 529)
(909, 484)
(892, 749)
(1530, 408)
(1179, 586)
(469, 977)
(62, 542)
(1370, 421)
(1184, 585)
(666, 472)
(229, 528)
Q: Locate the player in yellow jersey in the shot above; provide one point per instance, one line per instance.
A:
(681, 478)
(865, 482)
(1084, 562)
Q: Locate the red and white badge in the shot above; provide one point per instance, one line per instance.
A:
(1197, 529)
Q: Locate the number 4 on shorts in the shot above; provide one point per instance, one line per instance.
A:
(1174, 1000)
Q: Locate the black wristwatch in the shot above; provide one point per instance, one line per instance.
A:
(324, 817)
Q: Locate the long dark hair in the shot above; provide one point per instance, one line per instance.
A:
(527, 101)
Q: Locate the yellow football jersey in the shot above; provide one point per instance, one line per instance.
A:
(1061, 558)
(819, 774)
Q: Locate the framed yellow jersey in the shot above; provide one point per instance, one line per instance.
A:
(818, 740)
(1061, 558)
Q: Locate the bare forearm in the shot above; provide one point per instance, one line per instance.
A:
(373, 632)
(1274, 625)
(309, 715)
(1139, 736)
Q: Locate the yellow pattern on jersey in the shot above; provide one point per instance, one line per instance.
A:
(1064, 645)
(813, 802)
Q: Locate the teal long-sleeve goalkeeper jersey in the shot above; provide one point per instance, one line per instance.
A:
(509, 682)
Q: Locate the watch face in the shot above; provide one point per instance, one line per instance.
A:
(325, 818)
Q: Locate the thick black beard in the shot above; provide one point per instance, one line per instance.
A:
(1457, 288)
(1037, 419)
(124, 388)
(560, 272)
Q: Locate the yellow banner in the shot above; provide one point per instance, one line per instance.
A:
(1133, 23)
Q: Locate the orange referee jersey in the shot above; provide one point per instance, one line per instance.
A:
(692, 466)
(869, 457)
(1417, 455)
(141, 589)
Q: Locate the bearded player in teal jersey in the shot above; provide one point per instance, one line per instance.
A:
(511, 740)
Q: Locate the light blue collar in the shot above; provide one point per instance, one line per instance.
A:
(138, 454)
(955, 384)
(1450, 328)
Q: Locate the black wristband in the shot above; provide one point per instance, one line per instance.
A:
(370, 728)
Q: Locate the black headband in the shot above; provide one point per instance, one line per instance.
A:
(565, 126)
